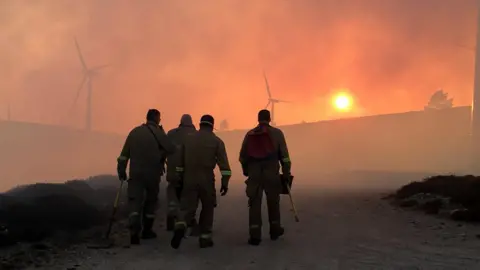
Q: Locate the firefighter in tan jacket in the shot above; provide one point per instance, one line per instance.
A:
(202, 151)
(263, 150)
(146, 148)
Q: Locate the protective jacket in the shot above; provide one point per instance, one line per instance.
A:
(146, 147)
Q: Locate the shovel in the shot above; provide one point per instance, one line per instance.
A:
(107, 242)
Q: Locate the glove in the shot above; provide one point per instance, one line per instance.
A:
(286, 178)
(122, 176)
(244, 170)
(224, 187)
(223, 191)
(122, 171)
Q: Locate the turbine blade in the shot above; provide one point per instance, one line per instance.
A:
(80, 55)
(283, 101)
(267, 85)
(266, 106)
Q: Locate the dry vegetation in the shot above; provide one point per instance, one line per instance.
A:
(457, 197)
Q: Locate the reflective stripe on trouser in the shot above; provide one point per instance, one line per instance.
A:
(206, 236)
(180, 225)
(189, 203)
(135, 222)
(255, 192)
(142, 198)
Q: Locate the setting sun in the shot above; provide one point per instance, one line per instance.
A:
(342, 102)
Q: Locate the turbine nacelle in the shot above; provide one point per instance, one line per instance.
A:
(272, 101)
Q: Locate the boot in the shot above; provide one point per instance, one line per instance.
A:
(134, 239)
(178, 235)
(147, 232)
(170, 223)
(205, 242)
(276, 231)
(254, 241)
(255, 236)
(135, 227)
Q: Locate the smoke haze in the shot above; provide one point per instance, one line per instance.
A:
(207, 56)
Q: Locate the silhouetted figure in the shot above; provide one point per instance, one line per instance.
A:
(146, 147)
(199, 155)
(177, 136)
(263, 150)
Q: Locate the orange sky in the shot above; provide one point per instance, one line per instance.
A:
(190, 56)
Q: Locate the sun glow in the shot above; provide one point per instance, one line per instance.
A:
(342, 101)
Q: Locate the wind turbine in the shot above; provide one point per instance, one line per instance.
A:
(89, 73)
(272, 101)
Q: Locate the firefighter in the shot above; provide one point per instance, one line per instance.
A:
(199, 155)
(263, 150)
(177, 136)
(146, 147)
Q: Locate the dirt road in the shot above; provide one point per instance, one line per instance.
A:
(338, 230)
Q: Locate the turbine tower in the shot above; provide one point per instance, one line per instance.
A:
(272, 101)
(89, 73)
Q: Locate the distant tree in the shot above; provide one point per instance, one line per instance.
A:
(224, 125)
(439, 101)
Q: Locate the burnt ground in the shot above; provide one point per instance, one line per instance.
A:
(457, 197)
(338, 229)
(39, 221)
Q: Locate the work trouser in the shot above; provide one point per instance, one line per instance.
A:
(195, 190)
(263, 177)
(173, 194)
(143, 189)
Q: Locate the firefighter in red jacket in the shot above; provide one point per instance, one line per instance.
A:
(263, 151)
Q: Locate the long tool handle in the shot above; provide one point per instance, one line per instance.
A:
(115, 206)
(293, 204)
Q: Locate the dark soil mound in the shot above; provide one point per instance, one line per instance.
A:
(44, 215)
(464, 190)
(40, 189)
(33, 212)
(462, 193)
(103, 182)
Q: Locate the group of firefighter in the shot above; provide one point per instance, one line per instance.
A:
(191, 156)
